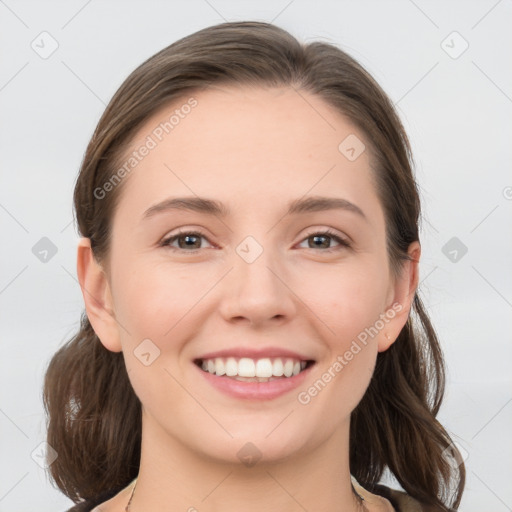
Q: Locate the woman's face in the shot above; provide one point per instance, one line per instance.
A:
(253, 287)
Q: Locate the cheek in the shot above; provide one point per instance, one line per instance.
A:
(349, 298)
(154, 298)
(153, 302)
(353, 302)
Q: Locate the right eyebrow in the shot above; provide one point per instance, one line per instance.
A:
(196, 204)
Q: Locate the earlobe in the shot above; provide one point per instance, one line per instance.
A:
(97, 296)
(403, 293)
(386, 342)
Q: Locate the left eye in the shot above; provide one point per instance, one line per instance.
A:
(326, 235)
(190, 241)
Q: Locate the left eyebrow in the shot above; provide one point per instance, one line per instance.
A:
(216, 208)
(320, 203)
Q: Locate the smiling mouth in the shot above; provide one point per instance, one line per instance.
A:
(245, 369)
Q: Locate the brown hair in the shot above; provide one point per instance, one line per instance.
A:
(94, 416)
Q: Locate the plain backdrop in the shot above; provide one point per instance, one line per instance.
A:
(446, 65)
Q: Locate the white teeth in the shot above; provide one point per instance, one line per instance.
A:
(231, 367)
(277, 368)
(288, 368)
(247, 369)
(264, 368)
(219, 366)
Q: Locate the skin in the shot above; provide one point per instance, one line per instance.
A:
(253, 149)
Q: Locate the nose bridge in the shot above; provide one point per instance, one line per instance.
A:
(256, 290)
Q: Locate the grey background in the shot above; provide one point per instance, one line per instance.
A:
(455, 106)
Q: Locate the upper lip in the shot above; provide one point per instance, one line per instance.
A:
(253, 353)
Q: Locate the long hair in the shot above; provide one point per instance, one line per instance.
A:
(93, 414)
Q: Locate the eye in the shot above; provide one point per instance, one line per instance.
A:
(190, 241)
(321, 240)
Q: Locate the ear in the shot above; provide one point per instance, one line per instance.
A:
(400, 298)
(97, 296)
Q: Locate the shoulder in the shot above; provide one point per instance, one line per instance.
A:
(401, 501)
(387, 499)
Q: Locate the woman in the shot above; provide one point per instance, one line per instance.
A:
(253, 337)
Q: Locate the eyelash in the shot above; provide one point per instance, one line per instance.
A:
(343, 242)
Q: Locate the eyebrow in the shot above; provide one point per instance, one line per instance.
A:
(216, 208)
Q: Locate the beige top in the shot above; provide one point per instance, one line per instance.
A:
(373, 502)
(402, 501)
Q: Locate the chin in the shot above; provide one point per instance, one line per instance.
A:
(251, 447)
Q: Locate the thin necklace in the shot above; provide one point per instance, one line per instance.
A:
(127, 509)
(363, 506)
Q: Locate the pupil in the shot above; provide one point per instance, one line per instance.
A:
(319, 237)
(189, 238)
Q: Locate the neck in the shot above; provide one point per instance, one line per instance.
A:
(173, 477)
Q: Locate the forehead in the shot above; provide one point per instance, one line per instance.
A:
(250, 146)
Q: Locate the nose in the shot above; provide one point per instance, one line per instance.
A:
(257, 292)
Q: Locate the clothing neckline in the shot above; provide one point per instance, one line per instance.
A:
(386, 499)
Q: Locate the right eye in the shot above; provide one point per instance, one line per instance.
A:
(185, 239)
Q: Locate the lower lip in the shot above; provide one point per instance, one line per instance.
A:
(255, 390)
